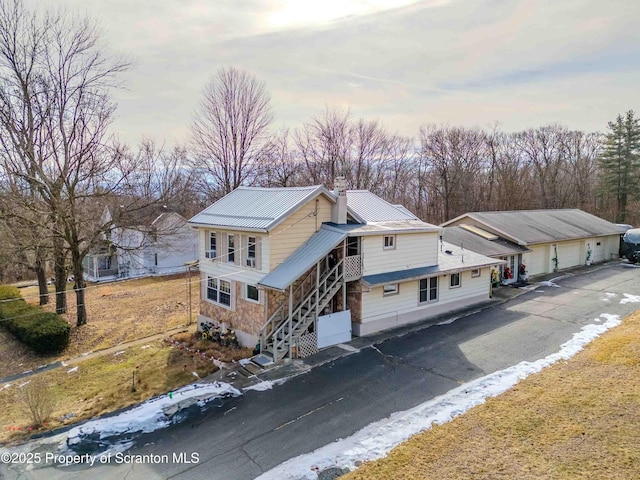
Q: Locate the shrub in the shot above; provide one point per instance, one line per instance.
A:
(36, 400)
(45, 332)
(7, 292)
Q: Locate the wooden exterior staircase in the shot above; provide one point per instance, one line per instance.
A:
(302, 307)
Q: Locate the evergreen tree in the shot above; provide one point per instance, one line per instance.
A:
(620, 162)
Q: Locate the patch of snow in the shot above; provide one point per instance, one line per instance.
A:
(549, 283)
(348, 348)
(448, 321)
(5, 387)
(72, 370)
(145, 346)
(63, 364)
(377, 439)
(260, 387)
(266, 385)
(195, 374)
(24, 384)
(150, 415)
(118, 353)
(244, 361)
(630, 298)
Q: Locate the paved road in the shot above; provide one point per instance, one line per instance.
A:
(253, 433)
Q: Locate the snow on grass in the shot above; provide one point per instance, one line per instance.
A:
(151, 415)
(628, 298)
(72, 370)
(377, 439)
(5, 387)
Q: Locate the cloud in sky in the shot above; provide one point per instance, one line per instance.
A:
(524, 63)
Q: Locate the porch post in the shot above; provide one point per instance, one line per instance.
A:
(289, 319)
(317, 294)
(344, 283)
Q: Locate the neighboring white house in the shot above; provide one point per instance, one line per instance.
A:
(151, 241)
(298, 268)
(552, 239)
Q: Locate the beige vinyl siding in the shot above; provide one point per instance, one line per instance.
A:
(411, 250)
(376, 306)
(297, 229)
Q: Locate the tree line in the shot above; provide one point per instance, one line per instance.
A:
(60, 165)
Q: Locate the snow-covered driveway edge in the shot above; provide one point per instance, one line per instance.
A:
(376, 440)
(151, 415)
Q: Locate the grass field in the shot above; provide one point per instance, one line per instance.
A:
(103, 384)
(118, 312)
(575, 420)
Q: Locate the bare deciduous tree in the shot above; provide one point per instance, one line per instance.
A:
(229, 135)
(55, 109)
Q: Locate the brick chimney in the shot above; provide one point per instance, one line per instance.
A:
(339, 211)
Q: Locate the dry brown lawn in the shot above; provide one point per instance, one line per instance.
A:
(118, 312)
(103, 384)
(575, 420)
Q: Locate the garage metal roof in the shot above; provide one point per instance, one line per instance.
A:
(527, 227)
(255, 208)
(305, 257)
(470, 241)
(457, 261)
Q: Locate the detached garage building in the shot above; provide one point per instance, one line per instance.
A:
(553, 239)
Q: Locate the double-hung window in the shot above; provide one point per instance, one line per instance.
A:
(213, 244)
(252, 293)
(251, 252)
(429, 289)
(219, 291)
(231, 249)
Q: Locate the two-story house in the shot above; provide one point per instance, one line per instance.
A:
(153, 240)
(294, 269)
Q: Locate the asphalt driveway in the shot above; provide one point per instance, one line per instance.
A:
(248, 435)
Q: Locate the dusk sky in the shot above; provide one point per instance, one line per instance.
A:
(521, 63)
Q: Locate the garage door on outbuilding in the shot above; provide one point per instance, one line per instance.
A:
(554, 239)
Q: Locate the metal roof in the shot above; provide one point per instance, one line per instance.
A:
(470, 241)
(305, 257)
(384, 228)
(457, 261)
(371, 208)
(528, 227)
(257, 208)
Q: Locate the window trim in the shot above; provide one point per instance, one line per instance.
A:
(391, 245)
(428, 290)
(252, 245)
(246, 293)
(390, 293)
(231, 248)
(214, 284)
(451, 276)
(476, 275)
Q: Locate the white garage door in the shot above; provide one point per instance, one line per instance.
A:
(568, 254)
